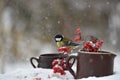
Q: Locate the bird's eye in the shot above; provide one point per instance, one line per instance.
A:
(58, 39)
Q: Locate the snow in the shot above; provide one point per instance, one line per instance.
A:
(29, 73)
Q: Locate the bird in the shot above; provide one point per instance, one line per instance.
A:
(63, 41)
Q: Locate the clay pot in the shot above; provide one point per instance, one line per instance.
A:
(44, 60)
(92, 64)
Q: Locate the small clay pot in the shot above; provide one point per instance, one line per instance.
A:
(44, 60)
(97, 64)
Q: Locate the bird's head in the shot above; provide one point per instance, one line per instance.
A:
(58, 37)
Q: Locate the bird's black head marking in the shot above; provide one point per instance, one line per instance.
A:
(58, 37)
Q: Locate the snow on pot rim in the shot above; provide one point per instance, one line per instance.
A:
(98, 52)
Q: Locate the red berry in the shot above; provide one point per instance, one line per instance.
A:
(37, 79)
(58, 69)
(56, 61)
(89, 46)
(63, 73)
(78, 31)
(63, 49)
(98, 44)
(63, 62)
(77, 38)
(64, 67)
(86, 46)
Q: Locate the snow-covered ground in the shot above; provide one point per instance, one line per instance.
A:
(29, 73)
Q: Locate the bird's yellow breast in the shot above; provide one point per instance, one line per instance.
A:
(60, 44)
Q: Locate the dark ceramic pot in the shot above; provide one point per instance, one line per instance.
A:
(97, 64)
(44, 60)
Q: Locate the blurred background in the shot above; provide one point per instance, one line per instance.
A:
(28, 27)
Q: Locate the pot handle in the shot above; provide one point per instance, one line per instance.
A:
(69, 67)
(31, 61)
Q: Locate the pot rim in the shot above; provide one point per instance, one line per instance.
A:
(98, 52)
(49, 55)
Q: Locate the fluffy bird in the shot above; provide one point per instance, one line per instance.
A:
(62, 41)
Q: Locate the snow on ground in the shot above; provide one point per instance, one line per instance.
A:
(29, 73)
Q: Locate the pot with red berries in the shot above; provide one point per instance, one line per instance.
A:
(90, 59)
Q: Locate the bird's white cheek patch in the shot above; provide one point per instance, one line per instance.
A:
(58, 39)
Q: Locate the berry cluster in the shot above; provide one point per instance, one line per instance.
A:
(59, 66)
(78, 36)
(63, 49)
(92, 46)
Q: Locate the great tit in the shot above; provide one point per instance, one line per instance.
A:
(63, 41)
